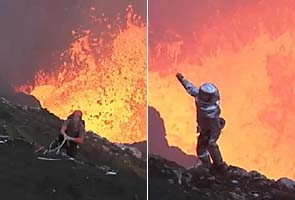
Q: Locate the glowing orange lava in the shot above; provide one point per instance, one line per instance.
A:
(248, 52)
(103, 76)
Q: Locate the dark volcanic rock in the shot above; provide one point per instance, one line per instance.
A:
(23, 176)
(141, 146)
(158, 143)
(23, 99)
(26, 177)
(286, 183)
(168, 180)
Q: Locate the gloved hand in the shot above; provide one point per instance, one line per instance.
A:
(66, 137)
(179, 76)
(79, 140)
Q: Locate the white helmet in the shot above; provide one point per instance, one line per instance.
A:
(208, 88)
(208, 92)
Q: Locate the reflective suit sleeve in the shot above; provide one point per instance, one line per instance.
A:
(189, 87)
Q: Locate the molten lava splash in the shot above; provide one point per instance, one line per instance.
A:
(248, 52)
(103, 76)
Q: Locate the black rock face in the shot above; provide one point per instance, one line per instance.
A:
(23, 99)
(24, 176)
(158, 144)
(168, 180)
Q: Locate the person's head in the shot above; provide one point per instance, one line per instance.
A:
(208, 92)
(77, 115)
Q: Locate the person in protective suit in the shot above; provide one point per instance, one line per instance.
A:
(73, 129)
(209, 123)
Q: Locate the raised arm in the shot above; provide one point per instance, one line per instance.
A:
(189, 87)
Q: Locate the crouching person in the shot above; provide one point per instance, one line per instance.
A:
(73, 130)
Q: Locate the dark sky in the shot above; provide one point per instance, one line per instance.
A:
(34, 32)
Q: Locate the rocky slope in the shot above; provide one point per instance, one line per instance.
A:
(168, 180)
(25, 129)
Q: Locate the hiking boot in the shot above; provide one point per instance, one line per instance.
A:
(220, 169)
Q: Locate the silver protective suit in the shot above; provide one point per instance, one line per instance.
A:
(208, 120)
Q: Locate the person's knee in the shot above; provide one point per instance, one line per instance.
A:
(202, 151)
(203, 154)
(212, 143)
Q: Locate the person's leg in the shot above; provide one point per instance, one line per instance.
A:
(219, 166)
(60, 138)
(72, 149)
(213, 148)
(202, 152)
(56, 142)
